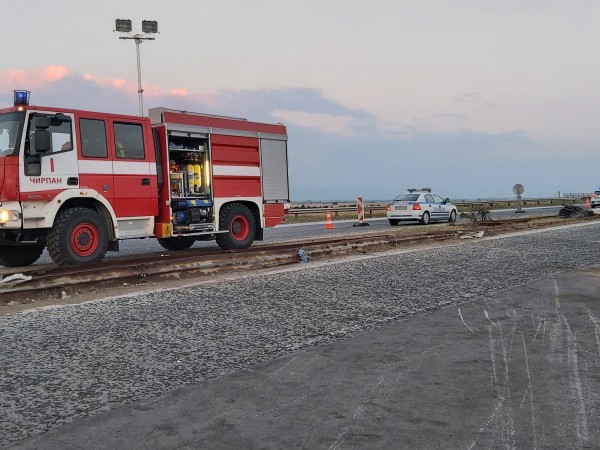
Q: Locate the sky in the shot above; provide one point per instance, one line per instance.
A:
(467, 97)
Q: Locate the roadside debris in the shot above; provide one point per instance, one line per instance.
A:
(474, 234)
(570, 211)
(14, 279)
(303, 256)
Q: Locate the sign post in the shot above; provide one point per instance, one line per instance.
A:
(360, 207)
(518, 189)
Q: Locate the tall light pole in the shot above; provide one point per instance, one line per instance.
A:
(149, 27)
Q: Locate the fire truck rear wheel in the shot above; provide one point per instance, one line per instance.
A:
(240, 222)
(178, 243)
(79, 236)
(21, 256)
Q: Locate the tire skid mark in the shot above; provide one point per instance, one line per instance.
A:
(291, 402)
(487, 316)
(574, 380)
(463, 321)
(358, 413)
(538, 330)
(495, 413)
(494, 375)
(502, 414)
(508, 410)
(596, 323)
(530, 390)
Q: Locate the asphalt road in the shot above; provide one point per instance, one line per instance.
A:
(291, 232)
(479, 344)
(378, 223)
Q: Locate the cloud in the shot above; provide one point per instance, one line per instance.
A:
(337, 151)
(326, 123)
(16, 78)
(467, 97)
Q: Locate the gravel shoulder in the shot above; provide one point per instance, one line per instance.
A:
(65, 364)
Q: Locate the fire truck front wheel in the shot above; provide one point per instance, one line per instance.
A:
(240, 222)
(79, 236)
(21, 256)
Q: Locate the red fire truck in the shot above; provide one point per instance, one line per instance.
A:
(78, 182)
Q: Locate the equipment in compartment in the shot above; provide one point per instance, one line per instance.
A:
(194, 215)
(197, 177)
(188, 159)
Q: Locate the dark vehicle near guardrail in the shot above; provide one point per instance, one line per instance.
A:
(571, 211)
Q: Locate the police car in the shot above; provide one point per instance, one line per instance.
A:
(422, 205)
(596, 198)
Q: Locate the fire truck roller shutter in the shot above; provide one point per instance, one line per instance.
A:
(274, 170)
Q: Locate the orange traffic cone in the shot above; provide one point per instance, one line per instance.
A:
(587, 203)
(328, 222)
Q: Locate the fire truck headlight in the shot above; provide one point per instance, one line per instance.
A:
(7, 215)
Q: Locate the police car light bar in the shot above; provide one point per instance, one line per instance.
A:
(22, 98)
(419, 190)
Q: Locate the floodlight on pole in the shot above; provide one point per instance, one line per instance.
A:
(123, 25)
(148, 27)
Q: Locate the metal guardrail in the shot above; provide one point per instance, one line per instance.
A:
(370, 208)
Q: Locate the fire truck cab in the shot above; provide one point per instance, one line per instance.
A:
(77, 182)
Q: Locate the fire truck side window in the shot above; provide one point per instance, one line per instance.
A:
(93, 138)
(129, 141)
(61, 136)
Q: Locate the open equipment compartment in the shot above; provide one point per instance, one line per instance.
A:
(189, 181)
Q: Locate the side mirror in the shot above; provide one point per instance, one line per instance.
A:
(42, 122)
(62, 118)
(42, 141)
(446, 200)
(33, 168)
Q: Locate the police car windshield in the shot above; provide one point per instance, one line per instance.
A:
(9, 132)
(407, 198)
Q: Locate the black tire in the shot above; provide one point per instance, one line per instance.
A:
(240, 222)
(177, 243)
(20, 256)
(79, 236)
(452, 217)
(425, 218)
(393, 222)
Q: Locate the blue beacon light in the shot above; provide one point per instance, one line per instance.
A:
(22, 98)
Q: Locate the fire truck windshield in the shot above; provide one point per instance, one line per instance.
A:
(10, 124)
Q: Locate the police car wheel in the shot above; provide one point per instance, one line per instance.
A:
(425, 218)
(452, 216)
(393, 222)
